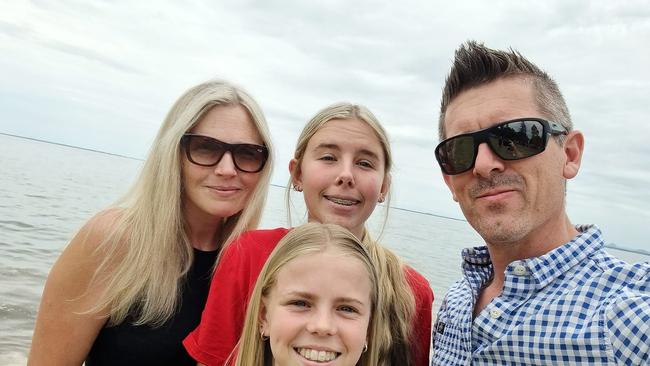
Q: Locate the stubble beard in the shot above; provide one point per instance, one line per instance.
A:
(499, 223)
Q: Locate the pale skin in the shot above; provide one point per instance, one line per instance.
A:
(62, 335)
(527, 217)
(65, 331)
(344, 157)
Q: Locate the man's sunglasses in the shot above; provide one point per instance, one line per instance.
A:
(511, 140)
(208, 151)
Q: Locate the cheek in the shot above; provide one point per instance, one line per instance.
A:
(251, 180)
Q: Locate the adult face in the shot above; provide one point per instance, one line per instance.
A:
(342, 174)
(215, 192)
(508, 201)
(318, 311)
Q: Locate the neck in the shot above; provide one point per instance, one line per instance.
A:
(536, 243)
(204, 233)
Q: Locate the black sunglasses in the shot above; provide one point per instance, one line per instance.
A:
(207, 151)
(511, 140)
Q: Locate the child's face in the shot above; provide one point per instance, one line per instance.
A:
(342, 174)
(319, 310)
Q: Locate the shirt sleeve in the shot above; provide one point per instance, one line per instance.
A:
(213, 341)
(628, 323)
(422, 321)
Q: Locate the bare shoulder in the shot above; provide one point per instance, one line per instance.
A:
(65, 326)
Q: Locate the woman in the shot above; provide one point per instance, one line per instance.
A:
(313, 301)
(133, 281)
(342, 165)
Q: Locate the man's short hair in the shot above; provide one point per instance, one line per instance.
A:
(475, 65)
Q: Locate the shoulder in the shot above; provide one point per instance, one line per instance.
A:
(92, 235)
(419, 284)
(627, 316)
(254, 244)
(255, 239)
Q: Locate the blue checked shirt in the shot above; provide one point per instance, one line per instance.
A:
(575, 305)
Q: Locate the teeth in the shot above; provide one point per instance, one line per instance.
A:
(319, 356)
(342, 201)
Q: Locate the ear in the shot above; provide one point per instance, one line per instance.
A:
(385, 185)
(263, 319)
(574, 144)
(295, 172)
(447, 179)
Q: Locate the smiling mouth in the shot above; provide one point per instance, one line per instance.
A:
(317, 356)
(342, 201)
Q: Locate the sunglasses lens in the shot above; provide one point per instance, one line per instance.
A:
(207, 151)
(250, 158)
(517, 140)
(204, 150)
(456, 155)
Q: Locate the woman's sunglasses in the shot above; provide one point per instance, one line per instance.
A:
(207, 151)
(511, 140)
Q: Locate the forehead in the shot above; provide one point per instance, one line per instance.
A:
(327, 273)
(347, 133)
(230, 123)
(486, 105)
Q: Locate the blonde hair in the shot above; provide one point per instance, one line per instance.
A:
(307, 239)
(147, 252)
(398, 310)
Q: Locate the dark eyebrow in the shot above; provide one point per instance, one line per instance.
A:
(332, 146)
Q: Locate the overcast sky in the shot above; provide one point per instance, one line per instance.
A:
(102, 75)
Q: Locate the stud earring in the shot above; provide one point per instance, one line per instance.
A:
(381, 198)
(297, 187)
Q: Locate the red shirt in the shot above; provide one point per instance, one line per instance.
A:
(213, 341)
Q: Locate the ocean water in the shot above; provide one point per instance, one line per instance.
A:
(48, 191)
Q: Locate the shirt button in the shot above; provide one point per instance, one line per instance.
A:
(495, 313)
(520, 270)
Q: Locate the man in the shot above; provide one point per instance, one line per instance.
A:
(542, 291)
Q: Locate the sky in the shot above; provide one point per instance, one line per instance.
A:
(103, 74)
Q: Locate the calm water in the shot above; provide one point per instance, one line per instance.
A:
(47, 191)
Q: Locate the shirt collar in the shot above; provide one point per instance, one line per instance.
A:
(477, 265)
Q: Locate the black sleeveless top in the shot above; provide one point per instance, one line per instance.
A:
(126, 344)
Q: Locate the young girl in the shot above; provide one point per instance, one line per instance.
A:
(133, 282)
(342, 165)
(313, 301)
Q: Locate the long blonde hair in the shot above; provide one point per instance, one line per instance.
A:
(398, 311)
(306, 239)
(147, 252)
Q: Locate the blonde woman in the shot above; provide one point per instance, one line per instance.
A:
(133, 281)
(314, 300)
(342, 165)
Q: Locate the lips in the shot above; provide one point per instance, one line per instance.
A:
(223, 188)
(317, 355)
(342, 200)
(494, 192)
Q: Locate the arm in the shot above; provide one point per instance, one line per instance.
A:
(62, 335)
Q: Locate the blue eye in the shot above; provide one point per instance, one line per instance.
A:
(299, 303)
(365, 164)
(348, 309)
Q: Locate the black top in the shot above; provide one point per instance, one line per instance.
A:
(126, 344)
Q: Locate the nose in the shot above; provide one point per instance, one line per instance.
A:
(226, 166)
(487, 162)
(346, 175)
(321, 322)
